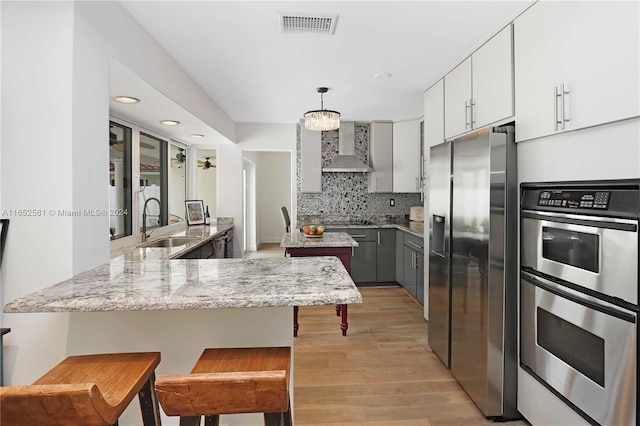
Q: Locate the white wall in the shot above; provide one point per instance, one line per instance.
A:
(37, 173)
(229, 190)
(273, 187)
(272, 137)
(55, 100)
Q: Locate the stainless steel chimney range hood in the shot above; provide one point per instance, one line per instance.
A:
(346, 161)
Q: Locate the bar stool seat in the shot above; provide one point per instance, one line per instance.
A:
(85, 390)
(230, 381)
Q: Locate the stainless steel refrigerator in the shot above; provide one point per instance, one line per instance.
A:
(473, 260)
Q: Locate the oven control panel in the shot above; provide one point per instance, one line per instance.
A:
(572, 199)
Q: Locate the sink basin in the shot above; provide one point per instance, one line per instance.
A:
(169, 242)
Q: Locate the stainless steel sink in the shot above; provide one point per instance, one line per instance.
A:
(169, 242)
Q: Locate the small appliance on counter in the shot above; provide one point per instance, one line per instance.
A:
(416, 213)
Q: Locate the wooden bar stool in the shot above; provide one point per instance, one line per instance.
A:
(85, 390)
(230, 381)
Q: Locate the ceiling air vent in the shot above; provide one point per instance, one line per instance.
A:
(317, 24)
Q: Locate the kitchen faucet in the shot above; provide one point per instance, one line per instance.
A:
(144, 218)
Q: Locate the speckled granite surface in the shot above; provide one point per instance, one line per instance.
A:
(124, 285)
(199, 233)
(363, 221)
(328, 239)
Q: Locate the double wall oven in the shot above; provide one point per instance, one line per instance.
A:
(579, 294)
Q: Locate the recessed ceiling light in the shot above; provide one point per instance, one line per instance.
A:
(196, 135)
(383, 75)
(170, 122)
(126, 99)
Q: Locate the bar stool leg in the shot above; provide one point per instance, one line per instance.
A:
(149, 403)
(212, 420)
(190, 421)
(278, 419)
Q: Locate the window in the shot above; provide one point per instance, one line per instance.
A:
(177, 181)
(161, 166)
(119, 180)
(153, 181)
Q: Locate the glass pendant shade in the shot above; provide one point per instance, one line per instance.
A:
(322, 119)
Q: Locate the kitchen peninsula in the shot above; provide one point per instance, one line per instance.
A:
(143, 300)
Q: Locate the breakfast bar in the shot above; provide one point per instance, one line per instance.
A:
(180, 307)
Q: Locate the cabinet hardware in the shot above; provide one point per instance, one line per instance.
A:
(415, 245)
(562, 101)
(472, 112)
(378, 237)
(358, 236)
(561, 119)
(467, 124)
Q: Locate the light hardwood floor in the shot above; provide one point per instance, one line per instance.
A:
(383, 373)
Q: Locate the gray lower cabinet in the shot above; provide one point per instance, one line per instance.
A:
(217, 248)
(413, 266)
(386, 255)
(400, 257)
(364, 259)
(373, 261)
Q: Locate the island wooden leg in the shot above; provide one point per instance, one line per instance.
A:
(337, 310)
(344, 325)
(295, 321)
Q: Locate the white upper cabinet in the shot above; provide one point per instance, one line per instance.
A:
(492, 79)
(381, 156)
(457, 108)
(406, 156)
(310, 160)
(479, 91)
(434, 115)
(577, 64)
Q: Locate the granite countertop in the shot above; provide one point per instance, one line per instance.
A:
(123, 285)
(199, 233)
(152, 278)
(412, 227)
(327, 239)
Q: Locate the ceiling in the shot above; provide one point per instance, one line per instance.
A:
(236, 52)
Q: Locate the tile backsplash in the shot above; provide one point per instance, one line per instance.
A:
(347, 193)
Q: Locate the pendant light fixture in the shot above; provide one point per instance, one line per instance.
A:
(322, 119)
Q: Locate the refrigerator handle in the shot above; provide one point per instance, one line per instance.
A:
(437, 236)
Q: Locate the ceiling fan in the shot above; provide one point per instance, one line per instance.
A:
(206, 164)
(180, 156)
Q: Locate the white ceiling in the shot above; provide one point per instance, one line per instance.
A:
(235, 51)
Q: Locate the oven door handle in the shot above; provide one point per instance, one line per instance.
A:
(554, 288)
(620, 225)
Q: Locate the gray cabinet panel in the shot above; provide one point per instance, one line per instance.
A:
(386, 255)
(400, 257)
(409, 283)
(363, 262)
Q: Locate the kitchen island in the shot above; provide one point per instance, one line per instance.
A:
(180, 307)
(339, 244)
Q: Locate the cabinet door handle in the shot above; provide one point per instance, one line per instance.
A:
(562, 101)
(472, 113)
(378, 237)
(415, 245)
(556, 95)
(466, 115)
(358, 236)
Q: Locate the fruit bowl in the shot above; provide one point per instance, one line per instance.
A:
(313, 231)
